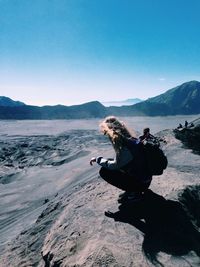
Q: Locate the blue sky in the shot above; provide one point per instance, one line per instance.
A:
(74, 51)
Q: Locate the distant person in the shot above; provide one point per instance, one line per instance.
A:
(186, 124)
(122, 172)
(180, 126)
(191, 124)
(148, 137)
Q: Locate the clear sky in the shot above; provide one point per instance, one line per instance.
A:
(74, 51)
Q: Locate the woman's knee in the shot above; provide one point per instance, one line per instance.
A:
(106, 174)
(102, 172)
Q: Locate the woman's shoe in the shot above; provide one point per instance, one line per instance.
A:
(109, 214)
(123, 194)
(131, 197)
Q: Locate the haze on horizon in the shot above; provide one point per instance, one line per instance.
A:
(70, 52)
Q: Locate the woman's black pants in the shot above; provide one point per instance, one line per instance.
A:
(122, 180)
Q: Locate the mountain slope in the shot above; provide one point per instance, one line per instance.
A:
(183, 99)
(161, 230)
(8, 102)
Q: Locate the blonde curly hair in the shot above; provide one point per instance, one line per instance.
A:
(116, 131)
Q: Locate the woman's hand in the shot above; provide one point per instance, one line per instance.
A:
(92, 161)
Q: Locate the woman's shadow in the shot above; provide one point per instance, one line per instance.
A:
(165, 225)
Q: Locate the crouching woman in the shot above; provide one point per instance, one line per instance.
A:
(128, 170)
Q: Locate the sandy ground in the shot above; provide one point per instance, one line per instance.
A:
(52, 206)
(34, 169)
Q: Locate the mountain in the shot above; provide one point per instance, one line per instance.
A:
(183, 99)
(7, 102)
(88, 110)
(126, 102)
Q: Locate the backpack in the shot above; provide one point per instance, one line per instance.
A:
(150, 154)
(156, 160)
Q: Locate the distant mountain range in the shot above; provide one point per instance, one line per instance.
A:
(183, 99)
(126, 102)
(84, 111)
